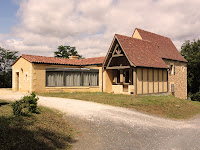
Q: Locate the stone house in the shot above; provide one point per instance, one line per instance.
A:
(146, 63)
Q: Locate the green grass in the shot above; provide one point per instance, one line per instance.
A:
(46, 130)
(165, 106)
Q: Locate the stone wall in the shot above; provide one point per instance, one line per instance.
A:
(179, 79)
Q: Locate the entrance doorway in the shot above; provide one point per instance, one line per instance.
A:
(17, 81)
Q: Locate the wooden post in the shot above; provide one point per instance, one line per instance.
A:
(158, 80)
(153, 80)
(135, 80)
(148, 80)
(142, 80)
(121, 76)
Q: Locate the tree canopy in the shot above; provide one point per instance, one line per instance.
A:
(66, 51)
(191, 52)
(7, 58)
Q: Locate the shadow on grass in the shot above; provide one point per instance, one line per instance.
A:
(3, 103)
(15, 133)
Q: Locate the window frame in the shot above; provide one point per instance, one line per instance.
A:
(65, 70)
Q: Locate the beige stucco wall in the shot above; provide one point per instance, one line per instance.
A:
(24, 68)
(107, 80)
(136, 35)
(179, 79)
(117, 89)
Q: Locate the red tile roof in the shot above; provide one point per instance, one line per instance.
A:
(63, 61)
(166, 48)
(140, 52)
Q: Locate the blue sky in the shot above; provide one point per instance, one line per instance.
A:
(38, 27)
(8, 10)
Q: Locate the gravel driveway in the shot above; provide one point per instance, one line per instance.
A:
(104, 127)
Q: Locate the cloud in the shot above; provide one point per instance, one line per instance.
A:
(91, 24)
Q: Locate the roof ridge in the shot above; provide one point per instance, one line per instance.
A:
(134, 38)
(153, 33)
(59, 57)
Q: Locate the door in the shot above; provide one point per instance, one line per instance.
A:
(126, 80)
(17, 81)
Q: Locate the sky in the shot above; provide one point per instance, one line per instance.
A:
(38, 27)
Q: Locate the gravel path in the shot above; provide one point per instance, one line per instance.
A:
(106, 127)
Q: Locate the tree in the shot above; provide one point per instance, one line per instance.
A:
(7, 58)
(66, 51)
(191, 52)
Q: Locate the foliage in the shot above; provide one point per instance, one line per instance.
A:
(196, 96)
(66, 51)
(191, 52)
(47, 130)
(6, 79)
(28, 104)
(7, 58)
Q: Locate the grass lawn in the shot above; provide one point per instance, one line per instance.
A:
(46, 130)
(165, 106)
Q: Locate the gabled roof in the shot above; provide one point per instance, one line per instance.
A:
(166, 49)
(140, 52)
(63, 61)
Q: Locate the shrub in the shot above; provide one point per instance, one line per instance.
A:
(28, 104)
(196, 96)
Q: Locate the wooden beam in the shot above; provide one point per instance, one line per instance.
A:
(109, 61)
(121, 76)
(148, 80)
(162, 82)
(118, 55)
(142, 80)
(153, 80)
(158, 80)
(118, 67)
(135, 80)
(116, 46)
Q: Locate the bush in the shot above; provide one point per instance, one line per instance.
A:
(28, 104)
(196, 96)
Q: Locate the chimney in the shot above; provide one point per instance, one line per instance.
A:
(73, 57)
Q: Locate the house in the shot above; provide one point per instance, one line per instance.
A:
(146, 63)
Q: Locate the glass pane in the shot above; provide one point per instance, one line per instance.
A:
(77, 78)
(86, 79)
(59, 79)
(69, 79)
(50, 79)
(93, 79)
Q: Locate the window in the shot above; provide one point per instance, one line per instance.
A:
(72, 77)
(55, 79)
(90, 79)
(172, 69)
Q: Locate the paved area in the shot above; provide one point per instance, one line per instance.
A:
(104, 127)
